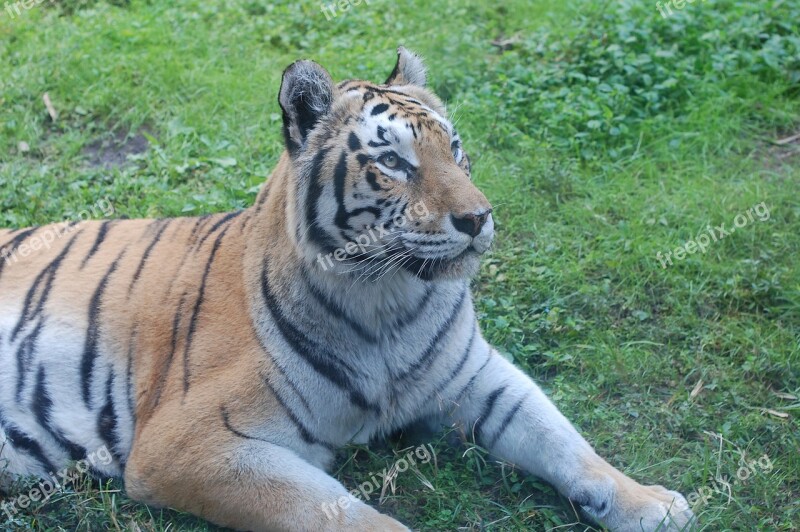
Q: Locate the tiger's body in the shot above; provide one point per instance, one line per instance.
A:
(222, 360)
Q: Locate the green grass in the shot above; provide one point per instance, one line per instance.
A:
(604, 135)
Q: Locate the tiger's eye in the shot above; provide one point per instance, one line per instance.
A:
(390, 160)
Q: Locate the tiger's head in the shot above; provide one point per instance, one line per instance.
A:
(382, 183)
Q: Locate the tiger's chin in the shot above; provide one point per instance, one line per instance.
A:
(464, 266)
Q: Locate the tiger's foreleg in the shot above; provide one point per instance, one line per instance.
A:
(509, 415)
(244, 484)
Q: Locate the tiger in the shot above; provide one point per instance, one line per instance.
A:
(221, 361)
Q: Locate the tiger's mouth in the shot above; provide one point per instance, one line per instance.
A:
(463, 265)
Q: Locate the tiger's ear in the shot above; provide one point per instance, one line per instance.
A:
(306, 95)
(409, 69)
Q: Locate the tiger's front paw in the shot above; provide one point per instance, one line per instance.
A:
(624, 505)
(384, 523)
(615, 500)
(650, 508)
(370, 520)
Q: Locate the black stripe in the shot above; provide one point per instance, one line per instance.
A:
(20, 236)
(339, 177)
(243, 225)
(227, 423)
(282, 371)
(41, 403)
(344, 86)
(46, 276)
(263, 197)
(352, 142)
(372, 180)
(491, 401)
(129, 385)
(307, 348)
(316, 233)
(264, 193)
(378, 109)
(222, 221)
(456, 370)
(323, 361)
(292, 385)
(146, 255)
(414, 314)
(107, 421)
(388, 90)
(101, 236)
(307, 436)
(8, 249)
(197, 305)
(93, 333)
(381, 132)
(375, 211)
(428, 356)
(475, 375)
(25, 353)
(305, 433)
(506, 422)
(335, 309)
(22, 442)
(176, 323)
(164, 373)
(42, 407)
(199, 222)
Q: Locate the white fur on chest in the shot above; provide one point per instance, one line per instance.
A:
(386, 342)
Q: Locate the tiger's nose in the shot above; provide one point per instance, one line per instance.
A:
(471, 223)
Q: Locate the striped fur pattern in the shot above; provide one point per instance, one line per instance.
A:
(223, 359)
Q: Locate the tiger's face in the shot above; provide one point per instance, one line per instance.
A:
(383, 181)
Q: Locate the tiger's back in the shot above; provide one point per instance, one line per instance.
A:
(79, 305)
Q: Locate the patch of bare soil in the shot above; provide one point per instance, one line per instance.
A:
(112, 149)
